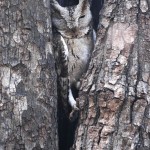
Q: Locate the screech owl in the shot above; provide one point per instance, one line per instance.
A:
(73, 43)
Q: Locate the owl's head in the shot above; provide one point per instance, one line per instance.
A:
(72, 21)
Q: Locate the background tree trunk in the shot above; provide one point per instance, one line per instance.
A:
(115, 95)
(28, 91)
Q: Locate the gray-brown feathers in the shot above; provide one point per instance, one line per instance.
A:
(73, 42)
(73, 21)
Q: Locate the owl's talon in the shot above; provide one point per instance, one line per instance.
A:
(74, 113)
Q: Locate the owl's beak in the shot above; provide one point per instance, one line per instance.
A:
(74, 29)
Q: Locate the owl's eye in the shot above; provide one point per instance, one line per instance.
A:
(82, 16)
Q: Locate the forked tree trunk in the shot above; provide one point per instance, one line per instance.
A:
(115, 95)
(28, 91)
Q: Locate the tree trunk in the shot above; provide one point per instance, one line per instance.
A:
(115, 94)
(114, 99)
(28, 91)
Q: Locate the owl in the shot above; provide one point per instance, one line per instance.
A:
(73, 44)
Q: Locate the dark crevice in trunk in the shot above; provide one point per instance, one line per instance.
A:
(96, 6)
(66, 3)
(66, 128)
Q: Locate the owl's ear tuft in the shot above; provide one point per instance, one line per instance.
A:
(55, 5)
(54, 2)
(83, 4)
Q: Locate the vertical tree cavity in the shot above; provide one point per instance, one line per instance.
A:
(66, 128)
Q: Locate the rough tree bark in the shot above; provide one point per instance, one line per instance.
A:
(28, 91)
(115, 95)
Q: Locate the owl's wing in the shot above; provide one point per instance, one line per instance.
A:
(61, 58)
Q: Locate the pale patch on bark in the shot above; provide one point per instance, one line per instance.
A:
(40, 27)
(48, 23)
(122, 33)
(119, 91)
(105, 22)
(142, 88)
(89, 81)
(120, 37)
(48, 48)
(138, 111)
(46, 3)
(19, 106)
(5, 76)
(35, 55)
(108, 10)
(143, 6)
(122, 60)
(145, 76)
(131, 91)
(148, 95)
(17, 36)
(128, 4)
(14, 80)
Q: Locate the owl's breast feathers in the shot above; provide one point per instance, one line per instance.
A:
(79, 53)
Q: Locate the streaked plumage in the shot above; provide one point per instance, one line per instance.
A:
(73, 44)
